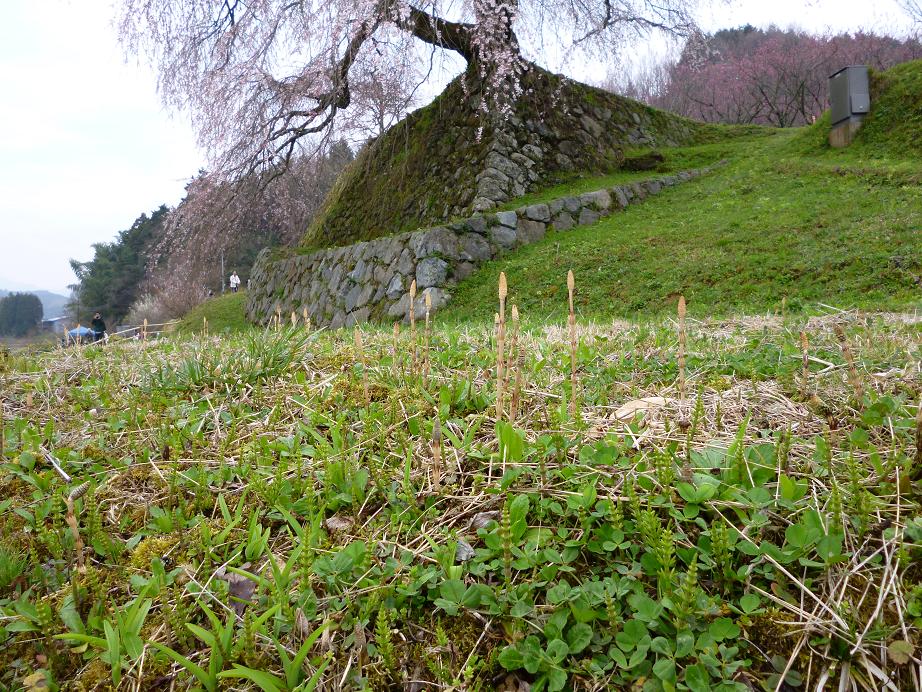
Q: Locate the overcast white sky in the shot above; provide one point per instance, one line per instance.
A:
(85, 146)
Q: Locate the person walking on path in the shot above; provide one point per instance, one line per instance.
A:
(99, 327)
(234, 281)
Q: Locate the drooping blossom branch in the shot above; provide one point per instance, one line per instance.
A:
(264, 79)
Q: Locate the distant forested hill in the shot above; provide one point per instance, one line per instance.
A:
(53, 304)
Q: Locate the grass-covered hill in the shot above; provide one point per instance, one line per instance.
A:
(788, 219)
(782, 221)
(224, 313)
(283, 510)
(431, 166)
(893, 129)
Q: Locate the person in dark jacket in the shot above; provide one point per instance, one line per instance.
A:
(99, 327)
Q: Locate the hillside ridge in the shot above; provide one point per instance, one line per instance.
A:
(449, 159)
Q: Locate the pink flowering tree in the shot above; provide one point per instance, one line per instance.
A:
(265, 80)
(768, 77)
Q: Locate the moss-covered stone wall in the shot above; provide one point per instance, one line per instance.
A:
(451, 158)
(370, 280)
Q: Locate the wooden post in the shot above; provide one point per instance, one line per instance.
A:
(144, 331)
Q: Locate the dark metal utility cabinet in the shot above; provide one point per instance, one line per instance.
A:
(849, 102)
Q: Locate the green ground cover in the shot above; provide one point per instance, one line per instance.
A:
(784, 220)
(278, 511)
(224, 313)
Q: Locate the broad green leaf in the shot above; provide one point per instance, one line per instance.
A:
(558, 593)
(723, 628)
(582, 611)
(265, 681)
(684, 643)
(518, 514)
(578, 637)
(113, 652)
(450, 607)
(557, 650)
(452, 590)
(749, 603)
(510, 658)
(556, 679)
(900, 651)
(790, 489)
(98, 642)
(664, 669)
(202, 634)
(207, 681)
(697, 678)
(829, 547)
(646, 608)
(661, 645)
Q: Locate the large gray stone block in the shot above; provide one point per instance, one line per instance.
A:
(463, 270)
(474, 248)
(600, 199)
(620, 196)
(571, 204)
(563, 221)
(358, 317)
(477, 224)
(503, 236)
(395, 287)
(537, 212)
(399, 309)
(587, 217)
(406, 265)
(435, 242)
(338, 320)
(482, 203)
(432, 271)
(530, 231)
(507, 218)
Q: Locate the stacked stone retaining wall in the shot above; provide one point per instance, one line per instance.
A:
(371, 280)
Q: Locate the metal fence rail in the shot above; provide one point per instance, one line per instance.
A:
(141, 332)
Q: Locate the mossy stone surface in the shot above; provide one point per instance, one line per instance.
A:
(453, 157)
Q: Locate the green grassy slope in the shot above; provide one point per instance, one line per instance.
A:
(893, 129)
(789, 217)
(281, 475)
(224, 313)
(895, 123)
(776, 222)
(422, 170)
